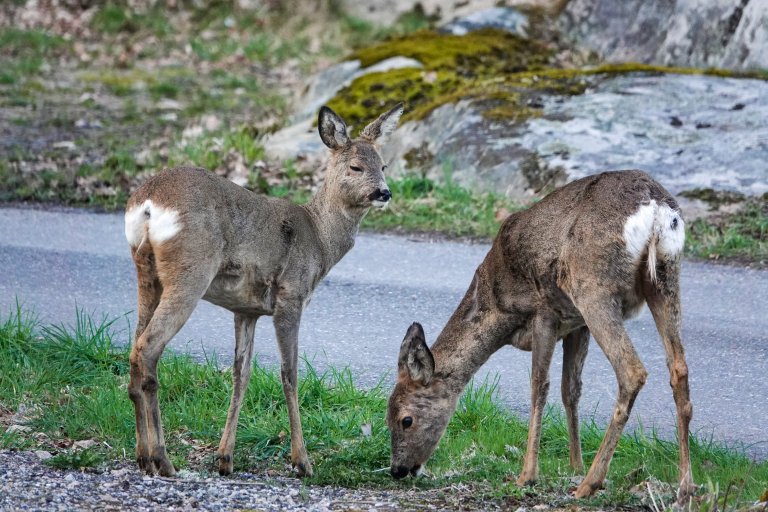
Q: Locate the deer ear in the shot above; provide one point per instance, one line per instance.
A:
(332, 129)
(379, 130)
(415, 356)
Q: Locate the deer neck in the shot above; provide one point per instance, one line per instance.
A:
(473, 333)
(336, 224)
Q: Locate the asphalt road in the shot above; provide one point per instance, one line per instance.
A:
(55, 261)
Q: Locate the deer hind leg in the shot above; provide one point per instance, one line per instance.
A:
(177, 301)
(149, 290)
(543, 346)
(663, 298)
(242, 367)
(575, 345)
(286, 319)
(605, 322)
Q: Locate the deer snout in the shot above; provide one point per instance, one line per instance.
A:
(399, 472)
(380, 197)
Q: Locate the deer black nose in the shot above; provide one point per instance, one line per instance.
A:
(399, 472)
(385, 195)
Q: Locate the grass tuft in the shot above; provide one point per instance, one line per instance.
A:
(72, 383)
(739, 236)
(421, 205)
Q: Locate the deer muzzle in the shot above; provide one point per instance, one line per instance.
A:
(380, 197)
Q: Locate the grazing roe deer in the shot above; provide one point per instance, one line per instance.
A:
(582, 260)
(195, 235)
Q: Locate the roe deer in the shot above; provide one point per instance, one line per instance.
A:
(195, 235)
(582, 260)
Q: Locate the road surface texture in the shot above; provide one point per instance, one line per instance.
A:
(55, 261)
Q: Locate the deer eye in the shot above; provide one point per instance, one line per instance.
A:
(355, 168)
(407, 422)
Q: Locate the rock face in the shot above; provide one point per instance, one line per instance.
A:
(386, 12)
(730, 34)
(686, 131)
(505, 119)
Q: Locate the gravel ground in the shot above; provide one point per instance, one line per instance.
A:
(28, 484)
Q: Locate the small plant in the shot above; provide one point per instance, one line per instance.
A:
(739, 236)
(76, 459)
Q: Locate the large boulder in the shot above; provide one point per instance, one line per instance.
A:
(731, 34)
(496, 110)
(386, 12)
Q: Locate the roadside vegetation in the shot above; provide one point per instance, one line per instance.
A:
(63, 390)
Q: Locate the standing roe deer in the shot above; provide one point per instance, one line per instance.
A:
(195, 235)
(582, 260)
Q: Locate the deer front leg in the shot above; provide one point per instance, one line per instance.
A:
(543, 347)
(575, 346)
(287, 318)
(242, 367)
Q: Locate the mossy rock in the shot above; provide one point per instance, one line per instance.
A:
(476, 54)
(371, 94)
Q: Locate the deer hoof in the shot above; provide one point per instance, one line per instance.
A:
(585, 490)
(525, 481)
(304, 469)
(164, 467)
(686, 491)
(145, 464)
(225, 465)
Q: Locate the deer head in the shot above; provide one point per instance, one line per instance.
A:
(355, 172)
(420, 406)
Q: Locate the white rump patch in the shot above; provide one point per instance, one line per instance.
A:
(162, 223)
(658, 228)
(670, 229)
(134, 225)
(638, 229)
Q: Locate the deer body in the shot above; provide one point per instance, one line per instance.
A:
(194, 235)
(584, 259)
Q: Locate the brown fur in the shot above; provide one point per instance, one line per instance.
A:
(558, 270)
(251, 254)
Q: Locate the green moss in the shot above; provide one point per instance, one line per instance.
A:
(478, 53)
(504, 72)
(419, 158)
(120, 83)
(369, 94)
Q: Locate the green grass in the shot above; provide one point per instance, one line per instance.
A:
(423, 205)
(740, 236)
(24, 51)
(74, 378)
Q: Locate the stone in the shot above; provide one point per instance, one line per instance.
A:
(386, 12)
(65, 144)
(18, 429)
(331, 80)
(501, 18)
(84, 444)
(43, 455)
(697, 33)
